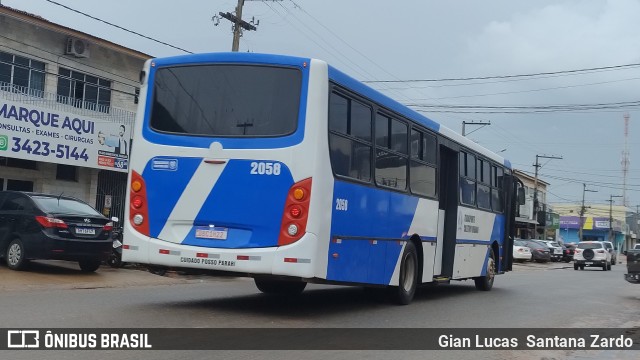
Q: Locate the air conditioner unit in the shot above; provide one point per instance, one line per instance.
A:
(77, 47)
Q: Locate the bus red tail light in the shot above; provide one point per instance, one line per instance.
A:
(296, 213)
(138, 210)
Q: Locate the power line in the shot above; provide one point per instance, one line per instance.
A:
(531, 109)
(118, 26)
(603, 184)
(509, 76)
(532, 90)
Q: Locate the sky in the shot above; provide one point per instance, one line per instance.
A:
(407, 40)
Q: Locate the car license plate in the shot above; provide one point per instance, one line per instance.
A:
(589, 262)
(212, 233)
(85, 231)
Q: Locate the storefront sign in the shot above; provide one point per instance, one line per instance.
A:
(38, 134)
(589, 223)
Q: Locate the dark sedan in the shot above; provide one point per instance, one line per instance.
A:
(567, 252)
(539, 252)
(39, 226)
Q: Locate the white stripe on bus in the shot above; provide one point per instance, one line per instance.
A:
(191, 200)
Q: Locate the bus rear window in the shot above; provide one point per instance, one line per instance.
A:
(226, 100)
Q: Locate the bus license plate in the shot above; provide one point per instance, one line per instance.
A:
(85, 231)
(215, 233)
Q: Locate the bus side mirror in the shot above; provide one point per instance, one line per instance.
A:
(521, 198)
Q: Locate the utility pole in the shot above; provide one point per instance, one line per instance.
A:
(582, 209)
(535, 191)
(477, 123)
(238, 24)
(611, 216)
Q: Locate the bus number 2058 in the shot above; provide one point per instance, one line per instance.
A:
(265, 168)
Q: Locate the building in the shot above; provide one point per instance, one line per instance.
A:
(67, 106)
(600, 222)
(544, 219)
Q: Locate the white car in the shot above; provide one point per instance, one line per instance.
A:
(521, 252)
(591, 253)
(614, 256)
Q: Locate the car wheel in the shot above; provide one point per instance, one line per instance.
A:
(581, 267)
(575, 266)
(280, 287)
(88, 266)
(609, 266)
(604, 266)
(408, 280)
(485, 283)
(15, 256)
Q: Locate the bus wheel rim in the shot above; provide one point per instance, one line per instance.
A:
(409, 272)
(491, 271)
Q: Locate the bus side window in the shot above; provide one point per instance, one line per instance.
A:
(467, 179)
(496, 188)
(422, 173)
(484, 191)
(391, 152)
(350, 138)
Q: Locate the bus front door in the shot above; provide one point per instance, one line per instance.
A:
(449, 209)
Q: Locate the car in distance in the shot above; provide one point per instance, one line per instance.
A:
(633, 265)
(555, 250)
(520, 251)
(569, 250)
(539, 252)
(614, 256)
(591, 253)
(41, 226)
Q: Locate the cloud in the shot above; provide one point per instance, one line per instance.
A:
(560, 36)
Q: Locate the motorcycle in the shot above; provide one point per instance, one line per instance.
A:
(115, 259)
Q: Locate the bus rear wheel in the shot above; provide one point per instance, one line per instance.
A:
(408, 281)
(485, 283)
(280, 287)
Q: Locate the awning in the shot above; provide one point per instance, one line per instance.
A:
(526, 221)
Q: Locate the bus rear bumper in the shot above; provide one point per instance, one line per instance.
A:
(294, 260)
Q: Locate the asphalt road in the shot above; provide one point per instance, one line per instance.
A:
(532, 296)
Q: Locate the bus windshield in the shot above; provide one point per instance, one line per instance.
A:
(226, 100)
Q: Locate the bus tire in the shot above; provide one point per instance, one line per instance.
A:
(408, 279)
(485, 283)
(280, 287)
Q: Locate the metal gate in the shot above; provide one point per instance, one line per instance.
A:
(112, 187)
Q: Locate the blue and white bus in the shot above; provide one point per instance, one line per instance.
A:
(289, 171)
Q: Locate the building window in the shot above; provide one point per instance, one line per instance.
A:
(83, 90)
(67, 172)
(21, 74)
(350, 138)
(19, 185)
(18, 163)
